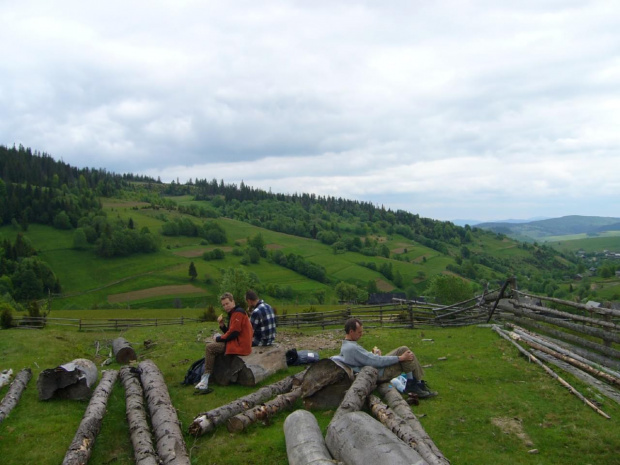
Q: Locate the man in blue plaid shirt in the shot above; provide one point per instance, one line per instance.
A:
(263, 320)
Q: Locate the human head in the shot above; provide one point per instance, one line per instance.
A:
(251, 297)
(353, 329)
(228, 301)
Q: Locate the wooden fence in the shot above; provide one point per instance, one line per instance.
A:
(110, 324)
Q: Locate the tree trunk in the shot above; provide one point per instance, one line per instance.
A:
(550, 372)
(166, 430)
(355, 398)
(139, 430)
(425, 445)
(122, 350)
(608, 351)
(14, 393)
(263, 412)
(304, 440)
(356, 438)
(207, 421)
(82, 445)
(325, 384)
(249, 370)
(568, 359)
(597, 384)
(73, 380)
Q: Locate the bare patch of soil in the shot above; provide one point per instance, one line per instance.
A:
(155, 292)
(273, 246)
(326, 340)
(512, 426)
(384, 286)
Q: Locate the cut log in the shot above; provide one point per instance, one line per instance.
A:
(11, 399)
(139, 430)
(73, 380)
(84, 440)
(207, 421)
(325, 384)
(597, 384)
(166, 429)
(550, 372)
(122, 350)
(263, 412)
(355, 398)
(249, 370)
(425, 446)
(304, 440)
(356, 438)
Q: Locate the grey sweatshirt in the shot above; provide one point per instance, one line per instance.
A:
(357, 357)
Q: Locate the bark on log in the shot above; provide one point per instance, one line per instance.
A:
(249, 370)
(608, 351)
(355, 398)
(550, 372)
(166, 429)
(566, 358)
(73, 380)
(139, 430)
(84, 440)
(585, 319)
(325, 384)
(122, 350)
(304, 441)
(263, 412)
(207, 421)
(14, 393)
(596, 332)
(425, 446)
(356, 438)
(597, 384)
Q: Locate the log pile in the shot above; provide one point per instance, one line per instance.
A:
(14, 393)
(513, 338)
(325, 384)
(82, 445)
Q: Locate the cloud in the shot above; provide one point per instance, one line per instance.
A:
(444, 108)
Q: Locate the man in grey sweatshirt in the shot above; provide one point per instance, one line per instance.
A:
(400, 360)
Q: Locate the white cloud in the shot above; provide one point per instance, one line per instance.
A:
(449, 109)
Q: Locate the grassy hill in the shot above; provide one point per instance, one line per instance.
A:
(91, 281)
(542, 230)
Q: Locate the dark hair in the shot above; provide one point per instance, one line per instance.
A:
(351, 325)
(251, 295)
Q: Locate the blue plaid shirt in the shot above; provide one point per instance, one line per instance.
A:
(264, 323)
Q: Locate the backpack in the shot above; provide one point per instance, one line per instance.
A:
(195, 372)
(301, 357)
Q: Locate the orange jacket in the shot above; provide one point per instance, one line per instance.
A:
(238, 334)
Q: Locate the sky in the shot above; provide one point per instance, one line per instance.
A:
(468, 109)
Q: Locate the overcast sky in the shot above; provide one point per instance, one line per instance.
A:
(474, 109)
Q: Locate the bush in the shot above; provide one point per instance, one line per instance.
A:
(209, 314)
(6, 317)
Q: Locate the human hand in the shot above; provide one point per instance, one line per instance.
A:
(215, 336)
(220, 319)
(405, 356)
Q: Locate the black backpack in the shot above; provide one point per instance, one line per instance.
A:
(195, 372)
(301, 357)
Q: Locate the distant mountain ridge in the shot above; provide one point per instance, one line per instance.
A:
(462, 222)
(565, 225)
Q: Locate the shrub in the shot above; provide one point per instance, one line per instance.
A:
(6, 317)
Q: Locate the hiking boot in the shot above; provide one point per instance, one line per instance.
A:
(424, 385)
(417, 388)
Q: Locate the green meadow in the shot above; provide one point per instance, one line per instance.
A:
(493, 406)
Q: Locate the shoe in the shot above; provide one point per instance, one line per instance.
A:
(203, 385)
(418, 388)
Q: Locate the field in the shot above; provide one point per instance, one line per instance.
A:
(493, 406)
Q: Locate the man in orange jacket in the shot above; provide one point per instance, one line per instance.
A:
(235, 340)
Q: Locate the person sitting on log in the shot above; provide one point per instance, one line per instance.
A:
(263, 320)
(400, 360)
(235, 340)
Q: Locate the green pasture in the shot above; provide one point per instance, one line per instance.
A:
(480, 377)
(591, 244)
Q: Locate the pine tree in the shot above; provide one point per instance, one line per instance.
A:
(193, 274)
